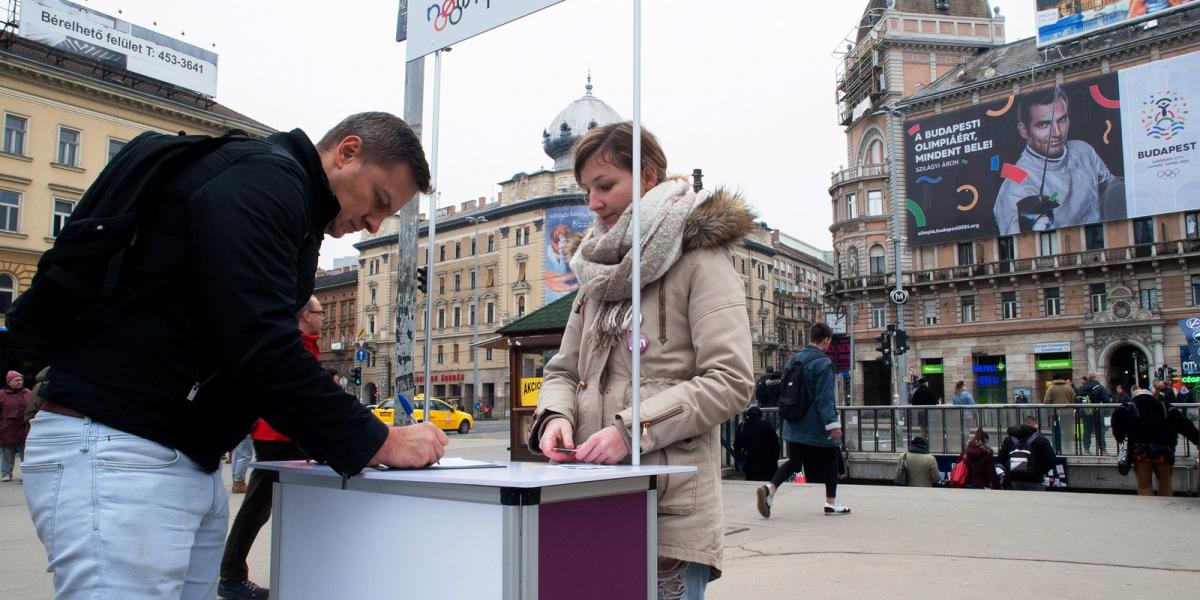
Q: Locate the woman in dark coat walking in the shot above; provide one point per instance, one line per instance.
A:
(758, 444)
(13, 399)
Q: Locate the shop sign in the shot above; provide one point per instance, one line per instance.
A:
(988, 380)
(1191, 380)
(1048, 347)
(1053, 364)
(530, 388)
(933, 369)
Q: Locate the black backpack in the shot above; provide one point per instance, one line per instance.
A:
(794, 400)
(83, 268)
(1020, 458)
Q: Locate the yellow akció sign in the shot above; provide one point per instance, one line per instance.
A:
(530, 387)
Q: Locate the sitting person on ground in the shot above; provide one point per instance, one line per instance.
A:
(922, 466)
(758, 444)
(1151, 427)
(981, 461)
(1026, 456)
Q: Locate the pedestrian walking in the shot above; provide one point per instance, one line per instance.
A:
(757, 446)
(13, 400)
(1151, 426)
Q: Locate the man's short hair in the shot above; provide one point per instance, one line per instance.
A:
(386, 140)
(1031, 420)
(819, 333)
(1038, 98)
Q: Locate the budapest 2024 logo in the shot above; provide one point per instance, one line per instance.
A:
(1164, 115)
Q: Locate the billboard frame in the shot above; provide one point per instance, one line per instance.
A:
(1041, 45)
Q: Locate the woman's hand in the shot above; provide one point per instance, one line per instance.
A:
(605, 447)
(557, 433)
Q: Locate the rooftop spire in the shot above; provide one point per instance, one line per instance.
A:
(588, 87)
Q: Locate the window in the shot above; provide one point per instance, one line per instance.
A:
(874, 153)
(878, 315)
(15, 129)
(1094, 236)
(930, 309)
(114, 146)
(851, 207)
(8, 290)
(68, 147)
(966, 253)
(1143, 236)
(441, 321)
(473, 244)
(1008, 305)
(458, 282)
(518, 235)
(966, 310)
(521, 271)
(457, 316)
(455, 353)
(491, 243)
(472, 278)
(1195, 290)
(441, 284)
(441, 356)
(1147, 294)
(471, 314)
(491, 277)
(62, 211)
(1053, 302)
(874, 203)
(487, 354)
(371, 324)
(1191, 225)
(1099, 295)
(762, 271)
(878, 260)
(520, 306)
(1047, 245)
(442, 252)
(10, 210)
(491, 313)
(373, 290)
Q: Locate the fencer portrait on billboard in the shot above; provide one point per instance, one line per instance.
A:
(1067, 182)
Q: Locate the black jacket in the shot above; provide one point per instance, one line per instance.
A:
(758, 440)
(1042, 452)
(221, 266)
(1147, 419)
(923, 397)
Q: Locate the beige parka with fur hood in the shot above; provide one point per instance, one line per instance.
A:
(695, 374)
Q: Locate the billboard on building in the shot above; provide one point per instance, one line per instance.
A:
(562, 222)
(1062, 20)
(1110, 147)
(74, 28)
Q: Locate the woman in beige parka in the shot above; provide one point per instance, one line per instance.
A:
(696, 367)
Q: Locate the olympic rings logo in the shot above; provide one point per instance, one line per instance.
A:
(450, 12)
(1168, 173)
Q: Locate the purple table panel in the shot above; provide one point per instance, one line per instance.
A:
(593, 548)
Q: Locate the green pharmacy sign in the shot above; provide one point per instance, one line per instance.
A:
(1053, 364)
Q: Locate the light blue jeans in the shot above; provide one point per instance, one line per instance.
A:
(686, 581)
(243, 453)
(121, 516)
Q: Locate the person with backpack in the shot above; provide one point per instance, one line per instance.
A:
(757, 445)
(768, 387)
(199, 252)
(1150, 428)
(811, 426)
(1093, 421)
(1026, 456)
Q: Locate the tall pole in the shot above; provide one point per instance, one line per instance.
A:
(475, 315)
(406, 249)
(635, 315)
(901, 361)
(433, 204)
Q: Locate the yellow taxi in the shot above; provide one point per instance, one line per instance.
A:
(446, 417)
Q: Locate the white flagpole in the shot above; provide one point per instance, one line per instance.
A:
(433, 176)
(635, 314)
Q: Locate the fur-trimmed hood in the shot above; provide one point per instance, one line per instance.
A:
(721, 221)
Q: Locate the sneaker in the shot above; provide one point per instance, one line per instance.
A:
(5, 477)
(242, 590)
(239, 487)
(837, 508)
(765, 499)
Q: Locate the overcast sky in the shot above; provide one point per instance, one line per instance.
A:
(742, 90)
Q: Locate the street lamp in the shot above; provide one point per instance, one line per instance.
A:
(894, 116)
(475, 314)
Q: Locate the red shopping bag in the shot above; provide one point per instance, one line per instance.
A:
(958, 475)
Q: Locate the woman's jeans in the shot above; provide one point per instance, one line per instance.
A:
(121, 516)
(682, 581)
(243, 453)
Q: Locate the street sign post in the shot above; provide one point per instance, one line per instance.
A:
(360, 355)
(899, 296)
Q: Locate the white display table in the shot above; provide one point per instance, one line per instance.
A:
(536, 531)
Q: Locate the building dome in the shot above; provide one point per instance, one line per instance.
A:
(570, 124)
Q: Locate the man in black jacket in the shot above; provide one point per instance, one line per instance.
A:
(1025, 444)
(123, 482)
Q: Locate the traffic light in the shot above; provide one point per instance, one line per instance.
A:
(885, 347)
(357, 375)
(901, 341)
(421, 276)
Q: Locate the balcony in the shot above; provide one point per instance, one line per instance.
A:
(1088, 259)
(855, 173)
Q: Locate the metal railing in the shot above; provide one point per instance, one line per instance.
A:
(1075, 430)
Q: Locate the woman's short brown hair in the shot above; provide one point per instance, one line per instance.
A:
(614, 145)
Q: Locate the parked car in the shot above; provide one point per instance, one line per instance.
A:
(444, 415)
